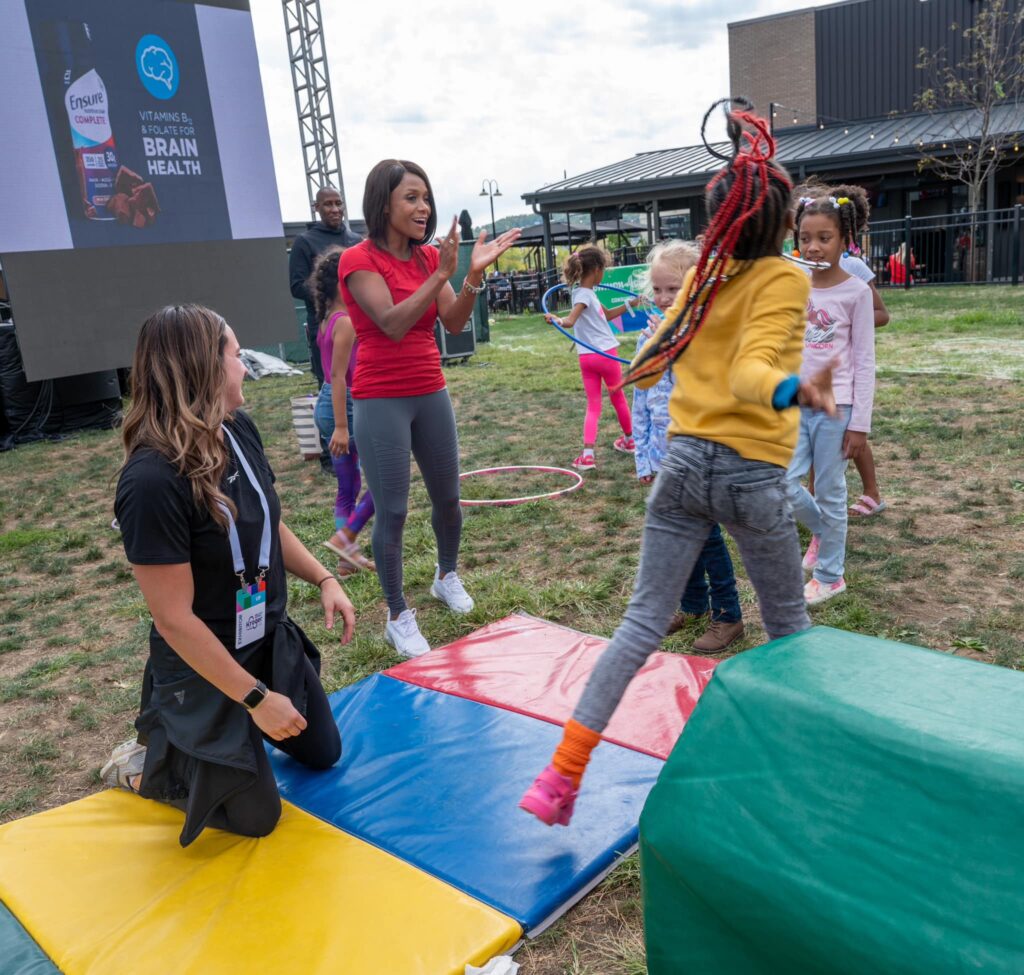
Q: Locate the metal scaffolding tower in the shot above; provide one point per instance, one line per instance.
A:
(310, 77)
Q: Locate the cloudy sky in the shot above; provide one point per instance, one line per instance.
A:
(518, 92)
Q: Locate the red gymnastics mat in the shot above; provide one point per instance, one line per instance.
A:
(539, 669)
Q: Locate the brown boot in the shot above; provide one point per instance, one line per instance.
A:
(681, 619)
(718, 636)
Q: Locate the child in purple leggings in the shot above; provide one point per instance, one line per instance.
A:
(338, 349)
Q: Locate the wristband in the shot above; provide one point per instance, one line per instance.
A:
(468, 289)
(330, 575)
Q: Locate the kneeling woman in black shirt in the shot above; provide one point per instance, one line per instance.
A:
(202, 528)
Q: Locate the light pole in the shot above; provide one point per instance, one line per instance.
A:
(490, 189)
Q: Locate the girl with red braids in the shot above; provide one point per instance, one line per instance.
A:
(732, 432)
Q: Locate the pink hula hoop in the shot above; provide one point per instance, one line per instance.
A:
(530, 497)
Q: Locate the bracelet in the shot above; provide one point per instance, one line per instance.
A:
(330, 575)
(468, 289)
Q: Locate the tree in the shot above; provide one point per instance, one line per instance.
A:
(971, 94)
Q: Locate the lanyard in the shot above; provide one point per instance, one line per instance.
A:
(236, 545)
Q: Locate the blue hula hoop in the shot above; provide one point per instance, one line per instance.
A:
(569, 335)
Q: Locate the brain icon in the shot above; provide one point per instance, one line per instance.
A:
(157, 65)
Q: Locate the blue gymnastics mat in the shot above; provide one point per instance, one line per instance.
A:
(435, 780)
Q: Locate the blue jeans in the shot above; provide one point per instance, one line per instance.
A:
(713, 561)
(323, 413)
(701, 484)
(821, 444)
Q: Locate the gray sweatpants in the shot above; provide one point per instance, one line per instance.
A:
(387, 430)
(701, 483)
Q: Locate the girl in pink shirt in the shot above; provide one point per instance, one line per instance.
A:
(840, 331)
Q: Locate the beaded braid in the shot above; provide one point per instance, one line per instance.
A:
(861, 208)
(323, 282)
(748, 200)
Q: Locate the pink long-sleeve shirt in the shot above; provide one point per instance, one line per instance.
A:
(841, 324)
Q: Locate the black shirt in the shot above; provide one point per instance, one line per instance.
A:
(307, 247)
(161, 525)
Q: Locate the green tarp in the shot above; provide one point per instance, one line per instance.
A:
(19, 954)
(841, 804)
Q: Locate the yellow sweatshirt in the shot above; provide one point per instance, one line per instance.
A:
(750, 342)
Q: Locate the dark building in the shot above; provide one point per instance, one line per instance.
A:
(841, 83)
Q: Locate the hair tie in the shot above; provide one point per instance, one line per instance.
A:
(834, 202)
(806, 201)
(842, 201)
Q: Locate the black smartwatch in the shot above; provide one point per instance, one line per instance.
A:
(255, 697)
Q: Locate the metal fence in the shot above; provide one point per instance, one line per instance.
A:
(519, 292)
(955, 248)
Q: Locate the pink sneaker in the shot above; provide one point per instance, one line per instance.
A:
(811, 555)
(625, 445)
(817, 592)
(551, 798)
(585, 462)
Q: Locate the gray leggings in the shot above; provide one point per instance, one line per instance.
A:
(387, 430)
(701, 483)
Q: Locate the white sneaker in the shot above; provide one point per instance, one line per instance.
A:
(451, 592)
(404, 635)
(126, 761)
(817, 592)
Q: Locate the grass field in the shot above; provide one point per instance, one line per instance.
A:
(943, 568)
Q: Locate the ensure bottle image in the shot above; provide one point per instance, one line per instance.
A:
(85, 98)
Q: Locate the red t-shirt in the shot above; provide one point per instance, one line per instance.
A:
(385, 368)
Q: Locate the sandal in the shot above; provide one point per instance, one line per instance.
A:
(350, 554)
(867, 506)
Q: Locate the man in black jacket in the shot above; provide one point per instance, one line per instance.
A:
(328, 231)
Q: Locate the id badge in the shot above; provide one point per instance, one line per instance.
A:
(250, 614)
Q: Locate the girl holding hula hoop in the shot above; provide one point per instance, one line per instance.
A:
(583, 271)
(394, 288)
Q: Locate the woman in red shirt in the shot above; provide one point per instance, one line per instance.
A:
(395, 287)
(898, 266)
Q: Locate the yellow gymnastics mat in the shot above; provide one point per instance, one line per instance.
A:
(103, 887)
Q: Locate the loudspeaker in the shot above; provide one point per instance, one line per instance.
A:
(460, 346)
(90, 387)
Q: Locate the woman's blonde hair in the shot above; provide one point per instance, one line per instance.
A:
(679, 255)
(177, 399)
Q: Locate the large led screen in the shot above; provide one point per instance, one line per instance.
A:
(135, 171)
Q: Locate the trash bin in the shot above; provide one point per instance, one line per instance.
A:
(305, 426)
